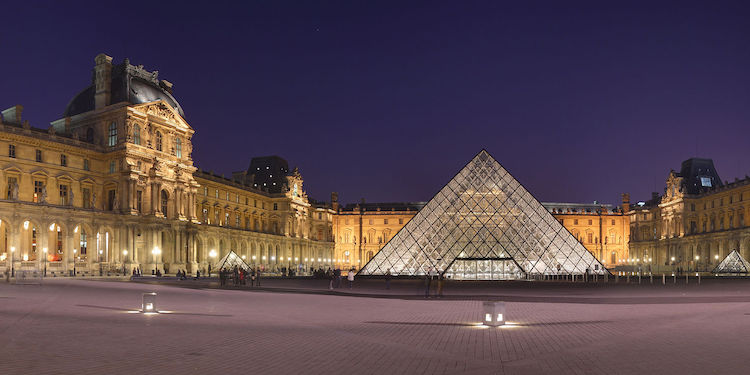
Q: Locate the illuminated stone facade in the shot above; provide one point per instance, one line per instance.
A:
(112, 186)
(695, 224)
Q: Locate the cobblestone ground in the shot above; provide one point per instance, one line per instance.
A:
(85, 327)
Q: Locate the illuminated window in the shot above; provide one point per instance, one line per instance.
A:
(158, 141)
(164, 201)
(11, 151)
(137, 135)
(139, 200)
(63, 160)
(86, 164)
(63, 195)
(38, 187)
(275, 206)
(83, 243)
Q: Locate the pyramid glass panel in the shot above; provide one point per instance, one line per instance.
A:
(733, 263)
(231, 260)
(483, 225)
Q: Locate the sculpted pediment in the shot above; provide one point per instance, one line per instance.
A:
(164, 111)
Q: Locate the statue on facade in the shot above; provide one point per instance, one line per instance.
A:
(70, 199)
(115, 202)
(14, 191)
(93, 201)
(43, 194)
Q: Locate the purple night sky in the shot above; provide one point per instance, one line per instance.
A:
(386, 101)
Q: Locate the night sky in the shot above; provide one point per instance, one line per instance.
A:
(387, 100)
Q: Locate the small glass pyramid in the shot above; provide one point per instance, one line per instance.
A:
(230, 260)
(483, 225)
(733, 263)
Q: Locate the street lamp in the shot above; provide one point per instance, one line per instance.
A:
(44, 250)
(101, 272)
(12, 260)
(75, 251)
(211, 254)
(124, 259)
(156, 253)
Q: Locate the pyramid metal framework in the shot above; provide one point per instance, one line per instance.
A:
(483, 225)
(733, 263)
(230, 260)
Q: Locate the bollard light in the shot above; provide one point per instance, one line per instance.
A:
(494, 313)
(716, 256)
(149, 303)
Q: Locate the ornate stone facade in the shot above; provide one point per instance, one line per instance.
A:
(112, 186)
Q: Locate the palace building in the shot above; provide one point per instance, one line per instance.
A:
(695, 224)
(112, 186)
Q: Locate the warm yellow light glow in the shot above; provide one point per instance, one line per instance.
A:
(75, 251)
(44, 250)
(243, 257)
(273, 258)
(305, 259)
(697, 257)
(52, 226)
(124, 252)
(253, 257)
(75, 230)
(25, 257)
(716, 256)
(149, 306)
(672, 259)
(212, 253)
(487, 317)
(26, 225)
(296, 259)
(101, 252)
(499, 317)
(12, 249)
(156, 251)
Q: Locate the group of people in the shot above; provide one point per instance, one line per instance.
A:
(433, 277)
(239, 276)
(335, 276)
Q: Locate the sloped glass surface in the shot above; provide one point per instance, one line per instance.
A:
(733, 263)
(483, 225)
(230, 260)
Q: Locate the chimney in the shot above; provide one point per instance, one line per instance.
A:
(625, 202)
(12, 115)
(335, 201)
(102, 81)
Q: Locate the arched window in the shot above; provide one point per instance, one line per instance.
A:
(177, 147)
(90, 135)
(158, 141)
(112, 138)
(137, 135)
(164, 198)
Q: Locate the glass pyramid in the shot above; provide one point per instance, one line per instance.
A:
(483, 225)
(230, 260)
(733, 263)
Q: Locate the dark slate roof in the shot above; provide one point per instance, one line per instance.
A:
(699, 176)
(131, 84)
(388, 206)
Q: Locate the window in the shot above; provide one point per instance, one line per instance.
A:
(63, 195)
(38, 187)
(11, 183)
(590, 222)
(11, 151)
(370, 222)
(613, 221)
(137, 135)
(400, 221)
(226, 219)
(275, 206)
(86, 165)
(237, 221)
(385, 221)
(741, 219)
(86, 193)
(63, 160)
(112, 167)
(158, 141)
(112, 135)
(110, 200)
(692, 206)
(246, 201)
(205, 191)
(575, 221)
(90, 135)
(38, 156)
(590, 237)
(164, 201)
(139, 200)
(83, 244)
(177, 147)
(59, 241)
(227, 195)
(217, 193)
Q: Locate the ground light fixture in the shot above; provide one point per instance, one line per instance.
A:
(493, 313)
(148, 304)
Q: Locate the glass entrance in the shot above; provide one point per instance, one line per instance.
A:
(484, 269)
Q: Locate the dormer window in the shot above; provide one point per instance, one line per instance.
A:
(137, 135)
(177, 147)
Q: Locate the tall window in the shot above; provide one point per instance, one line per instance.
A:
(137, 135)
(112, 166)
(59, 241)
(84, 244)
(237, 220)
(85, 164)
(164, 198)
(63, 195)
(38, 186)
(139, 200)
(11, 151)
(112, 138)
(38, 156)
(158, 141)
(86, 195)
(177, 147)
(33, 243)
(63, 160)
(111, 200)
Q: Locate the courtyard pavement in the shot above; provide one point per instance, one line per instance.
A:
(66, 326)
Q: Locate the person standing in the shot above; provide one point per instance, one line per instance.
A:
(350, 277)
(440, 281)
(388, 279)
(427, 283)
